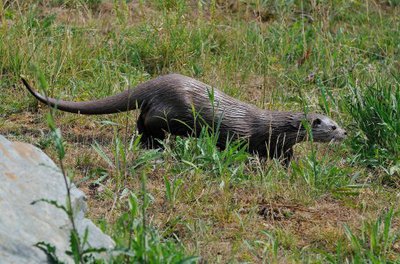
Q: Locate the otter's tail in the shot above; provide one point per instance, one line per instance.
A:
(125, 101)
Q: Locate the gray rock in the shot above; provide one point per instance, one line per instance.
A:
(27, 175)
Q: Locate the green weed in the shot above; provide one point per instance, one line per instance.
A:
(172, 188)
(80, 251)
(144, 243)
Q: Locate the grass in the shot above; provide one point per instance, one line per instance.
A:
(376, 111)
(373, 245)
(340, 58)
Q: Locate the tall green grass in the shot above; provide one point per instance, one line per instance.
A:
(375, 110)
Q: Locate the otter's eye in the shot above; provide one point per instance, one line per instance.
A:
(333, 127)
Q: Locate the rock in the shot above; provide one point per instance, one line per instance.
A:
(27, 175)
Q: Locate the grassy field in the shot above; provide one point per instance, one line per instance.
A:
(334, 204)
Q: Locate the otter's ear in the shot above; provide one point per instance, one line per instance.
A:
(316, 122)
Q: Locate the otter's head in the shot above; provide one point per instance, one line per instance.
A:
(325, 129)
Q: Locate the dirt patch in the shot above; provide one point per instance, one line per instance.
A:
(325, 216)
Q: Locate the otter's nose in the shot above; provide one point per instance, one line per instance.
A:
(342, 133)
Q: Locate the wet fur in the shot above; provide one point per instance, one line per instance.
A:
(182, 106)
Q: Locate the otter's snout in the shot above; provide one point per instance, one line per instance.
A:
(340, 135)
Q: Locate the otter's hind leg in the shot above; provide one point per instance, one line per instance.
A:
(149, 137)
(144, 140)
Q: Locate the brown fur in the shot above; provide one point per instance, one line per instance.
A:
(182, 106)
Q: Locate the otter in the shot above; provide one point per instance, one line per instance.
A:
(183, 106)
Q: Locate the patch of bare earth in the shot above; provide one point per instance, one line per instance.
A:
(318, 224)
